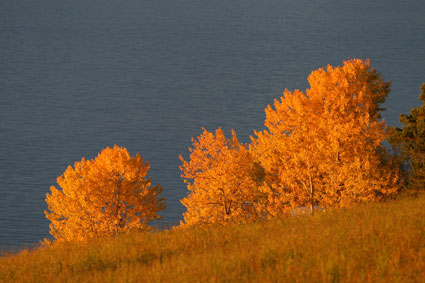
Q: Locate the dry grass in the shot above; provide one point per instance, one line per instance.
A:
(380, 242)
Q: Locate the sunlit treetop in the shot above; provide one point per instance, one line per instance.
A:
(323, 146)
(222, 179)
(107, 195)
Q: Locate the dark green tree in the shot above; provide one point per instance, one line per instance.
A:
(410, 142)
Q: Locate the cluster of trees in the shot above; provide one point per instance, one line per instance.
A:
(322, 147)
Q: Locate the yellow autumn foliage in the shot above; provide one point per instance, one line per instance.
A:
(222, 180)
(323, 147)
(107, 195)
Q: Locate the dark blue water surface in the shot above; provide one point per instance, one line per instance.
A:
(77, 76)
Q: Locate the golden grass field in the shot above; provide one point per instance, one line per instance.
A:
(378, 242)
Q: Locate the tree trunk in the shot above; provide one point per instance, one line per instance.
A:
(311, 196)
(117, 208)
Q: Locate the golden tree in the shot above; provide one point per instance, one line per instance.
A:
(224, 180)
(107, 195)
(323, 147)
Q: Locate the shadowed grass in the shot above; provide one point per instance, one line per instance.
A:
(377, 242)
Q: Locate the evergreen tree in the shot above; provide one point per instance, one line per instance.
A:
(410, 141)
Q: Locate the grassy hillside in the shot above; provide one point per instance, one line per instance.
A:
(381, 242)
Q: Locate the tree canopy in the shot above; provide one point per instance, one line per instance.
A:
(222, 179)
(107, 195)
(323, 146)
(410, 140)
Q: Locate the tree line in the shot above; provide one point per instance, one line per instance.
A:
(322, 147)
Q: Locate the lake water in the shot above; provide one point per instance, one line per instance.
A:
(77, 76)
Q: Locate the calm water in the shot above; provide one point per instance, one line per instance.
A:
(77, 76)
